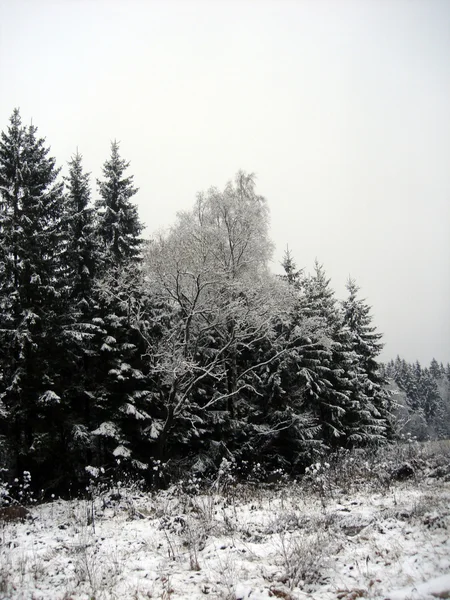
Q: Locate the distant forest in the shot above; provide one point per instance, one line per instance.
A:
(151, 359)
(421, 398)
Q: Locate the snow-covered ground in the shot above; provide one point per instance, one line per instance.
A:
(367, 541)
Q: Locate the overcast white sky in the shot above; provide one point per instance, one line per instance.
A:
(341, 108)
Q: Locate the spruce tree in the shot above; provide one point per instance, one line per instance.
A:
(291, 275)
(428, 393)
(408, 377)
(80, 359)
(435, 369)
(82, 246)
(121, 386)
(32, 293)
(118, 225)
(296, 382)
(317, 366)
(368, 418)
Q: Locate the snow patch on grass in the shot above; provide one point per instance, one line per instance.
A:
(246, 542)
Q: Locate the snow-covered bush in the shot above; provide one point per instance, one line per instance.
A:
(17, 491)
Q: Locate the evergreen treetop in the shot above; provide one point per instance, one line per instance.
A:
(291, 273)
(82, 246)
(118, 226)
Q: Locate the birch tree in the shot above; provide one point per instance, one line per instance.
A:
(210, 270)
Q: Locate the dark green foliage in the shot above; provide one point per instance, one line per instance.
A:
(120, 392)
(119, 386)
(78, 350)
(336, 372)
(328, 381)
(194, 353)
(427, 390)
(118, 226)
(370, 408)
(82, 250)
(32, 292)
(291, 275)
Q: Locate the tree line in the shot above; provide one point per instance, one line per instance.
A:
(155, 358)
(422, 398)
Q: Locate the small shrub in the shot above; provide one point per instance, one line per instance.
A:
(304, 558)
(16, 492)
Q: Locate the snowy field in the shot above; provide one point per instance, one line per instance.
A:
(355, 530)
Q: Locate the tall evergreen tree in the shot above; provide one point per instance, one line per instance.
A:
(329, 383)
(428, 393)
(79, 361)
(317, 367)
(119, 227)
(82, 246)
(121, 395)
(435, 369)
(408, 377)
(291, 274)
(369, 416)
(32, 291)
